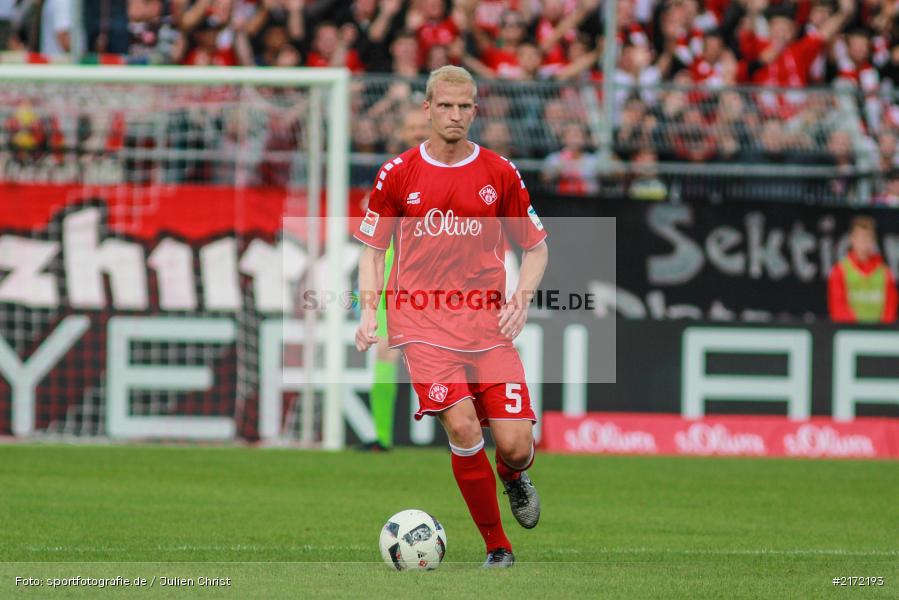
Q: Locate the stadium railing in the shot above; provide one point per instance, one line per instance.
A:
(668, 141)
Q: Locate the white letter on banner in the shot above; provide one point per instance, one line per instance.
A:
(173, 262)
(697, 385)
(26, 284)
(23, 377)
(122, 376)
(850, 389)
(273, 269)
(218, 269)
(275, 378)
(86, 260)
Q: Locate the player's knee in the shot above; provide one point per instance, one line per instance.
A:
(517, 457)
(517, 451)
(463, 430)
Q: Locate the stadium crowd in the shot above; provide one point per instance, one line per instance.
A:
(675, 71)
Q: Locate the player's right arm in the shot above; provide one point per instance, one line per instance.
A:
(837, 298)
(375, 232)
(371, 272)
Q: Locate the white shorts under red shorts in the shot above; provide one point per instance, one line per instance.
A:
(493, 379)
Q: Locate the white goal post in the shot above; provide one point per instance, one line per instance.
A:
(329, 93)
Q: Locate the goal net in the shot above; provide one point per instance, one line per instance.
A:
(147, 282)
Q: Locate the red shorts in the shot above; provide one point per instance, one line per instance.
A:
(493, 379)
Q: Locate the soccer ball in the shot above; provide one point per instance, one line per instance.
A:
(413, 539)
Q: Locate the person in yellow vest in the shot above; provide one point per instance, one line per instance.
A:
(861, 288)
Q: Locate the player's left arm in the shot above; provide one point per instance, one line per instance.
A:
(524, 227)
(514, 314)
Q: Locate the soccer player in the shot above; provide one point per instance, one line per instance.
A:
(450, 205)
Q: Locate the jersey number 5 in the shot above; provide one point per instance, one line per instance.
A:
(512, 390)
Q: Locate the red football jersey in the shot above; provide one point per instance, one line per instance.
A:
(435, 34)
(449, 225)
(791, 68)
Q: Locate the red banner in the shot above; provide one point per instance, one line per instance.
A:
(75, 257)
(631, 433)
(147, 212)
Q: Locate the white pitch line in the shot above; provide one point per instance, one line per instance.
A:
(751, 551)
(837, 552)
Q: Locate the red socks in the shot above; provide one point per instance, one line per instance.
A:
(507, 473)
(478, 486)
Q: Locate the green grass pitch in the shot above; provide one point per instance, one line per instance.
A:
(284, 523)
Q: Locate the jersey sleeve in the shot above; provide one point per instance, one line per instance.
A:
(380, 218)
(892, 300)
(837, 300)
(807, 50)
(520, 220)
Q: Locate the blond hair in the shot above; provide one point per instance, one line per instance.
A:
(863, 222)
(449, 74)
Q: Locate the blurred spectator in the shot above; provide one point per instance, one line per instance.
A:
(7, 14)
(392, 103)
(529, 62)
(432, 26)
(634, 128)
(775, 56)
(496, 136)
(645, 183)
(572, 170)
(282, 140)
(413, 128)
(404, 54)
(275, 46)
(840, 147)
(23, 26)
(556, 28)
(635, 69)
(715, 65)
(270, 33)
(205, 49)
(546, 134)
(889, 71)
(56, 27)
(365, 135)
(695, 141)
(887, 152)
(852, 56)
(499, 58)
(152, 35)
(631, 31)
(204, 12)
(735, 118)
(861, 288)
(438, 56)
(889, 195)
(489, 13)
(334, 48)
(581, 60)
(852, 46)
(106, 26)
(376, 24)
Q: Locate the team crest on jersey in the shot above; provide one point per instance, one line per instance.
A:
(488, 194)
(438, 392)
(369, 223)
(414, 198)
